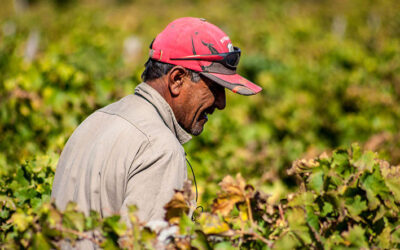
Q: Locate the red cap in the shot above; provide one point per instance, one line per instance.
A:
(198, 45)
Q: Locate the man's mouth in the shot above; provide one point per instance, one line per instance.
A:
(206, 112)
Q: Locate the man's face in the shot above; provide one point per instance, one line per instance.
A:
(198, 100)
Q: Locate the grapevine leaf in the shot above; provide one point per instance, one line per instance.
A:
(232, 192)
(327, 209)
(312, 218)
(392, 178)
(355, 206)
(200, 241)
(21, 220)
(366, 161)
(113, 224)
(40, 242)
(355, 237)
(374, 185)
(384, 238)
(316, 181)
(211, 224)
(176, 207)
(73, 218)
(186, 225)
(297, 219)
(303, 198)
(92, 221)
(225, 245)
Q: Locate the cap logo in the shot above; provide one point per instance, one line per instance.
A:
(210, 47)
(193, 49)
(225, 38)
(230, 47)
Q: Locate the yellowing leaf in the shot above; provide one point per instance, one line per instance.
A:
(21, 220)
(232, 192)
(391, 175)
(211, 224)
(176, 207)
(303, 166)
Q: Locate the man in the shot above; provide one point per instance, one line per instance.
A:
(130, 152)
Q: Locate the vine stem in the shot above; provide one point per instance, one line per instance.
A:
(79, 234)
(257, 236)
(395, 229)
(281, 212)
(253, 225)
(249, 210)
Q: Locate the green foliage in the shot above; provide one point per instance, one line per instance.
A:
(330, 72)
(353, 204)
(348, 200)
(329, 76)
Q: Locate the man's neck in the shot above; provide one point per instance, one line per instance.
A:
(161, 87)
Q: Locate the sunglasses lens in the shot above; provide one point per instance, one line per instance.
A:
(232, 59)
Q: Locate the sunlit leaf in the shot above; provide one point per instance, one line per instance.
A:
(176, 207)
(212, 224)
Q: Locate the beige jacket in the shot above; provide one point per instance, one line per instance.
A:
(128, 152)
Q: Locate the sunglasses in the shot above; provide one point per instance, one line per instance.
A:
(229, 59)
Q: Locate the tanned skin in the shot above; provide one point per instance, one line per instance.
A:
(190, 101)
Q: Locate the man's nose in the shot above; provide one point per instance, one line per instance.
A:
(220, 101)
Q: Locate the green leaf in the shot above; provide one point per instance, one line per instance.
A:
(297, 219)
(4, 214)
(395, 236)
(54, 217)
(355, 206)
(341, 163)
(384, 239)
(356, 151)
(200, 241)
(41, 242)
(148, 237)
(186, 225)
(327, 208)
(225, 245)
(109, 244)
(312, 218)
(366, 161)
(92, 221)
(114, 225)
(316, 181)
(303, 198)
(74, 220)
(355, 237)
(288, 241)
(334, 241)
(374, 185)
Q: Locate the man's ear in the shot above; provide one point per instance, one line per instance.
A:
(176, 77)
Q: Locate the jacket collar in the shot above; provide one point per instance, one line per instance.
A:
(164, 110)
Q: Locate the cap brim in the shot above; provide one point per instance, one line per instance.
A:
(235, 82)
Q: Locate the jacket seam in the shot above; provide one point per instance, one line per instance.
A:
(133, 159)
(141, 131)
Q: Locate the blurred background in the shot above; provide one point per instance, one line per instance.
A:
(330, 72)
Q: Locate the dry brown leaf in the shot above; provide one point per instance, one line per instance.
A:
(176, 207)
(303, 166)
(232, 192)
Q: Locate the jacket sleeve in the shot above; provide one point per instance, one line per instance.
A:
(152, 181)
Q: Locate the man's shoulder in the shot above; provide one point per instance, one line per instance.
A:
(131, 110)
(142, 116)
